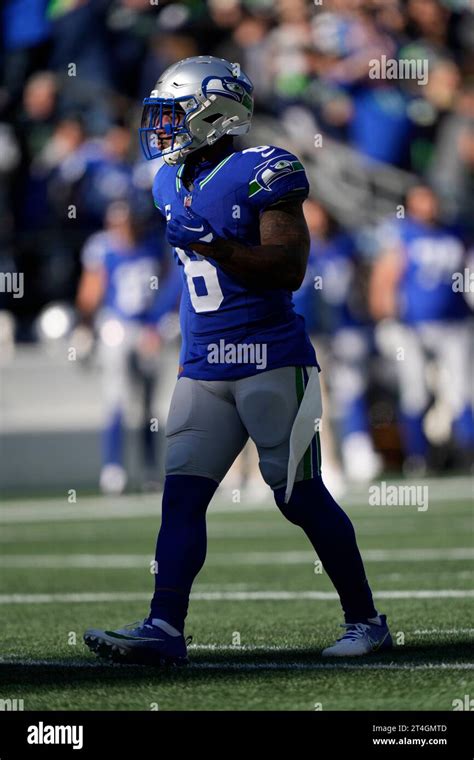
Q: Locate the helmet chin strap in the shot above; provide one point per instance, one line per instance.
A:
(172, 158)
(180, 155)
(222, 129)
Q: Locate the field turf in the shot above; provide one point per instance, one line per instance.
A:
(260, 615)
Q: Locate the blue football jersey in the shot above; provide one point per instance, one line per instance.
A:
(134, 288)
(224, 324)
(431, 256)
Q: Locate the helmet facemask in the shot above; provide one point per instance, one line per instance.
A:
(165, 120)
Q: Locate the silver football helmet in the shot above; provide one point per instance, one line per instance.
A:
(194, 103)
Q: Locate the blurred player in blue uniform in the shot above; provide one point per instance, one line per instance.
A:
(130, 289)
(332, 304)
(248, 369)
(413, 282)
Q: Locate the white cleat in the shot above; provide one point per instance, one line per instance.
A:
(361, 639)
(361, 462)
(113, 479)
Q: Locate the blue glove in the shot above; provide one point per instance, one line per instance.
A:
(187, 228)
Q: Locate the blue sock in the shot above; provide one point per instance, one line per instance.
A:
(355, 417)
(463, 427)
(332, 535)
(112, 439)
(181, 545)
(414, 439)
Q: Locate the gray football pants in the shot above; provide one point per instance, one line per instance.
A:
(210, 421)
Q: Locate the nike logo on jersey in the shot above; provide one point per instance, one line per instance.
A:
(194, 229)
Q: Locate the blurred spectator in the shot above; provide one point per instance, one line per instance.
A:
(286, 46)
(248, 45)
(428, 21)
(129, 286)
(72, 23)
(413, 283)
(25, 44)
(452, 167)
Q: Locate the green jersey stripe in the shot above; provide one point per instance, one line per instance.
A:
(300, 389)
(214, 171)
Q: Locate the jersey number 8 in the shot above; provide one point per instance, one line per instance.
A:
(212, 299)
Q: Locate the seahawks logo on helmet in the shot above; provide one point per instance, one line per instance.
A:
(227, 87)
(271, 171)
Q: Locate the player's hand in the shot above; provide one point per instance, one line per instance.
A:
(188, 228)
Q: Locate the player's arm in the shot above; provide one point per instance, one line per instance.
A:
(90, 293)
(91, 288)
(383, 285)
(279, 261)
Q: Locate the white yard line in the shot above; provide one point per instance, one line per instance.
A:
(444, 631)
(125, 561)
(230, 596)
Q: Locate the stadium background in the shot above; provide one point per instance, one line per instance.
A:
(73, 75)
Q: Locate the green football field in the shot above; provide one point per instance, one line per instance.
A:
(260, 614)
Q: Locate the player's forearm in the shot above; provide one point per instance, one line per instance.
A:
(261, 266)
(383, 287)
(89, 295)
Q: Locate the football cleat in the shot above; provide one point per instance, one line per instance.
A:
(141, 643)
(361, 462)
(361, 638)
(113, 479)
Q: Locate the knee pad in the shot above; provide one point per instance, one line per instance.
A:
(185, 456)
(179, 456)
(274, 470)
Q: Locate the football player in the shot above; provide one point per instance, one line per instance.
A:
(118, 289)
(235, 220)
(413, 283)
